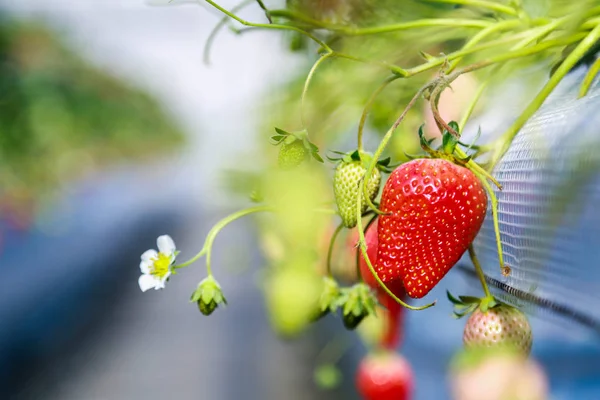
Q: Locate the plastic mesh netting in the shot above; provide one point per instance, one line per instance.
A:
(549, 211)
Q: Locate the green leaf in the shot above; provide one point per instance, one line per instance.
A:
(426, 56)
(452, 299)
(276, 139)
(313, 146)
(456, 315)
(317, 157)
(355, 156)
(385, 162)
(208, 293)
(469, 299)
(454, 125)
(290, 139)
(282, 132)
(472, 308)
(196, 296)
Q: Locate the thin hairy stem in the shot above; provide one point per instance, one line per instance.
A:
(307, 83)
(269, 26)
(488, 5)
(331, 246)
(368, 106)
(566, 66)
(589, 78)
(479, 271)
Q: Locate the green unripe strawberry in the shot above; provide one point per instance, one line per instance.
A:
(291, 155)
(346, 189)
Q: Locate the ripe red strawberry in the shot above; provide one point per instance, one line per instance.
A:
(500, 325)
(393, 312)
(386, 376)
(435, 209)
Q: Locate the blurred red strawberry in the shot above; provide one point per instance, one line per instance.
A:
(384, 376)
(393, 312)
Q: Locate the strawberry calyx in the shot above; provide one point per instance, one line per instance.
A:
(208, 295)
(285, 138)
(329, 301)
(465, 305)
(450, 151)
(365, 158)
(356, 302)
(447, 150)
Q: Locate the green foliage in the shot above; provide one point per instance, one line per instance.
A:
(61, 118)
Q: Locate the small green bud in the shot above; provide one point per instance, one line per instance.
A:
(329, 300)
(357, 303)
(208, 295)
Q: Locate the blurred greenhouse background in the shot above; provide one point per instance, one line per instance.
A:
(112, 132)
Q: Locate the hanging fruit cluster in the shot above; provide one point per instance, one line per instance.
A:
(405, 237)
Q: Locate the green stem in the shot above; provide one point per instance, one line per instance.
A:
(368, 106)
(476, 168)
(383, 144)
(471, 107)
(589, 78)
(350, 31)
(331, 245)
(213, 34)
(538, 34)
(363, 248)
(269, 26)
(212, 234)
(569, 62)
(479, 271)
(422, 23)
(499, 26)
(494, 201)
(394, 68)
(265, 9)
(489, 5)
(499, 58)
(358, 271)
(307, 83)
(296, 16)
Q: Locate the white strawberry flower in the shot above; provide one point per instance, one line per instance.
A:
(157, 266)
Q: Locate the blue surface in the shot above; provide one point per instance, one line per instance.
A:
(59, 274)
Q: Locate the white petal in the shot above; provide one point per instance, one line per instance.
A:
(165, 244)
(149, 255)
(147, 282)
(145, 266)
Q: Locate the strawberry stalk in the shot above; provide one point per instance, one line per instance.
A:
(565, 67)
(311, 73)
(590, 77)
(479, 272)
(358, 272)
(382, 145)
(368, 106)
(331, 245)
(494, 201)
(363, 248)
(212, 234)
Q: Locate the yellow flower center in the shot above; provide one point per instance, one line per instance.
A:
(160, 265)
